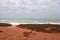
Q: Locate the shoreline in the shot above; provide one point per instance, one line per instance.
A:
(47, 28)
(15, 23)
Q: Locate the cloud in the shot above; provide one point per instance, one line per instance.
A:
(33, 4)
(35, 8)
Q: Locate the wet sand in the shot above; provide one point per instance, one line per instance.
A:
(16, 33)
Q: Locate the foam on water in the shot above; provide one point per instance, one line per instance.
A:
(13, 23)
(18, 22)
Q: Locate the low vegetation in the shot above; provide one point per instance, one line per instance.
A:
(47, 28)
(5, 25)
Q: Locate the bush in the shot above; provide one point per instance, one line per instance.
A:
(5, 24)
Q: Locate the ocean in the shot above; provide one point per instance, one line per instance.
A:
(29, 21)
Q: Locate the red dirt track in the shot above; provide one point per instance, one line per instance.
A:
(15, 33)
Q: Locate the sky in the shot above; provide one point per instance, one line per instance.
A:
(38, 9)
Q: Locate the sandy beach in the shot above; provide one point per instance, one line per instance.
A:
(16, 33)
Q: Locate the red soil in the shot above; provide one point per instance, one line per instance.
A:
(15, 33)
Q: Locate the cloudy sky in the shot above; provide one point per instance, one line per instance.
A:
(45, 9)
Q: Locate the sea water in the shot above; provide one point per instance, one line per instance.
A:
(28, 21)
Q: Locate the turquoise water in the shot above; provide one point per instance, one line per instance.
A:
(28, 20)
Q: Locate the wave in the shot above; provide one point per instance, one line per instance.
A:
(27, 22)
(13, 23)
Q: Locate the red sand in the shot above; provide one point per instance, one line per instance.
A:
(15, 33)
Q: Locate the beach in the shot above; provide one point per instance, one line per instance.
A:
(18, 33)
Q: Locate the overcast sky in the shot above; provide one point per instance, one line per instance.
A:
(46, 9)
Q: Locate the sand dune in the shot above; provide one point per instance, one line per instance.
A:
(16, 33)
